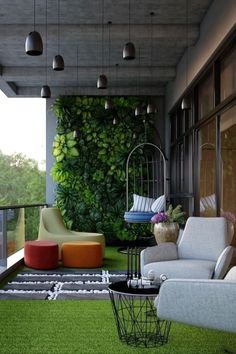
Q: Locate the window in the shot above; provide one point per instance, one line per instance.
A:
(206, 95)
(228, 75)
(228, 154)
(207, 143)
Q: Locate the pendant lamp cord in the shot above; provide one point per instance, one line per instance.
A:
(186, 29)
(139, 72)
(151, 46)
(102, 35)
(129, 20)
(34, 15)
(109, 51)
(77, 64)
(46, 35)
(58, 25)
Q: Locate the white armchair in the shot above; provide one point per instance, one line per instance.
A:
(206, 303)
(203, 251)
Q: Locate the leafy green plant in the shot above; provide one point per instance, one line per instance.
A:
(64, 145)
(90, 169)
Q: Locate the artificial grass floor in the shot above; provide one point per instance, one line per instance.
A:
(83, 327)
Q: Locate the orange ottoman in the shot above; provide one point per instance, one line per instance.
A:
(81, 254)
(41, 254)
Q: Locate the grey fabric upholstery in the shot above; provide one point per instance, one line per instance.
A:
(202, 251)
(204, 303)
(181, 268)
(223, 262)
(163, 252)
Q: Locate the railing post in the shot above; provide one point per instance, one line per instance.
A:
(3, 258)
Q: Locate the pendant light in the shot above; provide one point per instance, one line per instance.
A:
(115, 119)
(102, 79)
(58, 61)
(45, 90)
(33, 42)
(139, 109)
(151, 107)
(186, 104)
(108, 102)
(129, 48)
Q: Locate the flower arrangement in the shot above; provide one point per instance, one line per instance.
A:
(169, 216)
(229, 216)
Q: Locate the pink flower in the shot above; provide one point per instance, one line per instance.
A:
(229, 216)
(159, 217)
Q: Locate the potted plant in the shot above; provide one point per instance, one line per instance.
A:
(166, 224)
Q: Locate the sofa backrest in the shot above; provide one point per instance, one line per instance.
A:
(204, 238)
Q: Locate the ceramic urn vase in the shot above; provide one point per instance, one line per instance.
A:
(166, 232)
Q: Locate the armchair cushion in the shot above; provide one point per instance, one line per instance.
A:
(204, 303)
(203, 238)
(181, 268)
(162, 252)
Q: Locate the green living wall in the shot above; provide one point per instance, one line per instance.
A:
(90, 169)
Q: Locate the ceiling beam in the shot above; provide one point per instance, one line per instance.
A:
(36, 74)
(91, 91)
(77, 33)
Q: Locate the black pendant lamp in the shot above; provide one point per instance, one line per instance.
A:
(45, 90)
(115, 120)
(102, 82)
(58, 61)
(76, 133)
(129, 48)
(186, 104)
(108, 104)
(102, 79)
(33, 42)
(138, 111)
(151, 107)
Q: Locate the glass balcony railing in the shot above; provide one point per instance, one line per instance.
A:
(17, 224)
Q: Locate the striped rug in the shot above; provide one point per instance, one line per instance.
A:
(61, 285)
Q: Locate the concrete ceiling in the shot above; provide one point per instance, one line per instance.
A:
(81, 30)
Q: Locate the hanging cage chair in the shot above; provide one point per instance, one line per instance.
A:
(146, 183)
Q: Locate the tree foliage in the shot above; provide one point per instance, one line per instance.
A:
(21, 182)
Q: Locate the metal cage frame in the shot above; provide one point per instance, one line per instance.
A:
(150, 181)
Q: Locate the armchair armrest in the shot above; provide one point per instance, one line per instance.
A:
(163, 252)
(223, 263)
(205, 303)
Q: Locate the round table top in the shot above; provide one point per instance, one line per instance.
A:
(122, 287)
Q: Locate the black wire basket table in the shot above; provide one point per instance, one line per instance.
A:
(135, 315)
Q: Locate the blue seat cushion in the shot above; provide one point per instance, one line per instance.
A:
(138, 216)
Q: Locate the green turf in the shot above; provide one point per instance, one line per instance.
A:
(114, 260)
(81, 327)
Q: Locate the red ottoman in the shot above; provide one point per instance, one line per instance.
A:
(41, 254)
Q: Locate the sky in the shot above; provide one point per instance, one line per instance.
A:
(23, 127)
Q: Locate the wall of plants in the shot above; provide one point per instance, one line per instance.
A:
(90, 169)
